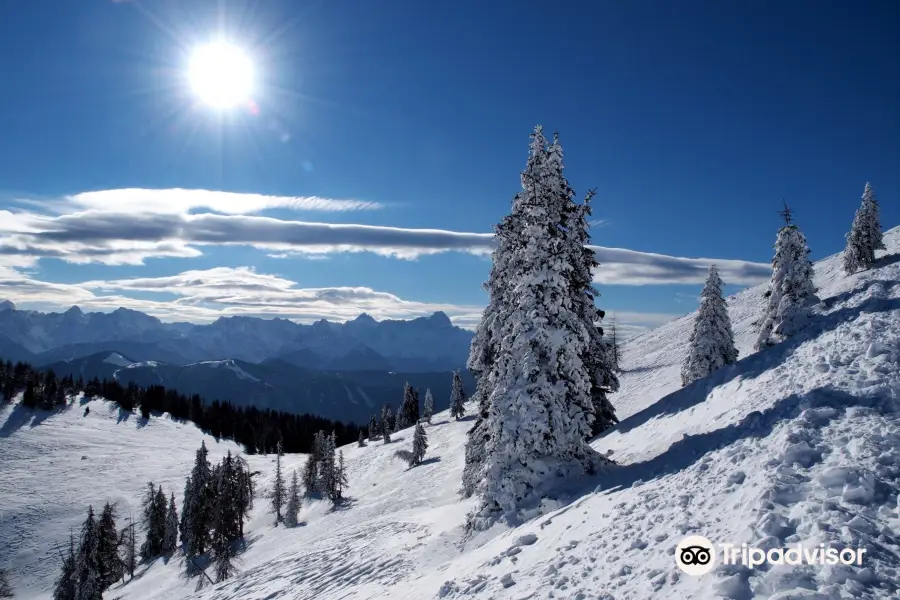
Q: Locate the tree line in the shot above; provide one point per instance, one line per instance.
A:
(257, 430)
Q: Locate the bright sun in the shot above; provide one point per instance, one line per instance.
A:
(221, 75)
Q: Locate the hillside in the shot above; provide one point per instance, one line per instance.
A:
(798, 443)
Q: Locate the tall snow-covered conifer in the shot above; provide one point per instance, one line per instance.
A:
(170, 538)
(408, 414)
(277, 495)
(200, 504)
(108, 547)
(428, 406)
(88, 584)
(293, 502)
(865, 235)
(574, 229)
(457, 397)
(387, 418)
(64, 587)
(711, 344)
(420, 445)
(791, 291)
(310, 473)
(540, 409)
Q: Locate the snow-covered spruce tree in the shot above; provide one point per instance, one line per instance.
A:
(154, 521)
(108, 547)
(128, 542)
(398, 420)
(5, 588)
(227, 517)
(540, 410)
(361, 440)
(428, 406)
(420, 445)
(200, 504)
(484, 350)
(791, 291)
(244, 490)
(387, 419)
(711, 344)
(595, 358)
(170, 537)
(340, 479)
(865, 235)
(408, 413)
(310, 472)
(615, 353)
(277, 496)
(64, 587)
(88, 584)
(184, 527)
(374, 429)
(457, 397)
(293, 502)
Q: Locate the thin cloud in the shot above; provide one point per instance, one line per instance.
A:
(176, 200)
(115, 228)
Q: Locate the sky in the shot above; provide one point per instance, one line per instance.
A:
(382, 141)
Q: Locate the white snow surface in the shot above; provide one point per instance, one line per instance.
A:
(117, 359)
(797, 443)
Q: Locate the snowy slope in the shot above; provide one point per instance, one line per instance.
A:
(798, 443)
(54, 465)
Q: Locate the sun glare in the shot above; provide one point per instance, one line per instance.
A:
(221, 75)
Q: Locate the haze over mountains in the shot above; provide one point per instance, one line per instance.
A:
(338, 370)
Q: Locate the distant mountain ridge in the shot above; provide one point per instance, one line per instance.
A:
(423, 344)
(348, 396)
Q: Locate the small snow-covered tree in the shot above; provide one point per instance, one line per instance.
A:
(791, 291)
(711, 344)
(184, 527)
(457, 397)
(309, 476)
(88, 584)
(64, 587)
(170, 537)
(154, 520)
(420, 445)
(293, 502)
(615, 352)
(5, 588)
(361, 441)
(224, 563)
(277, 496)
(387, 419)
(865, 235)
(279, 449)
(128, 542)
(428, 408)
(340, 479)
(374, 429)
(200, 505)
(108, 547)
(409, 409)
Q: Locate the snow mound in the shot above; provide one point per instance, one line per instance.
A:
(799, 443)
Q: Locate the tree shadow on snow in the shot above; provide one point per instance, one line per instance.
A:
(345, 503)
(444, 422)
(887, 259)
(141, 422)
(429, 461)
(20, 416)
(757, 363)
(467, 418)
(757, 424)
(124, 415)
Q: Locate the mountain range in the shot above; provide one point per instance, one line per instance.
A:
(343, 371)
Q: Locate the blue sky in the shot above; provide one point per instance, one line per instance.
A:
(692, 119)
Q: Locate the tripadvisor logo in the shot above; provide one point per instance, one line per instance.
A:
(696, 555)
